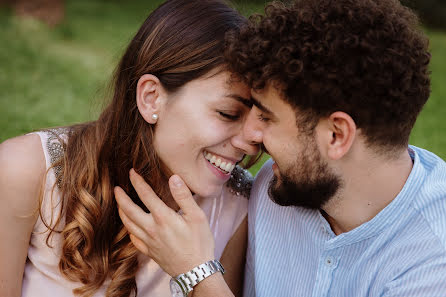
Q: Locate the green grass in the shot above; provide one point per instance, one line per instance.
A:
(53, 77)
(430, 129)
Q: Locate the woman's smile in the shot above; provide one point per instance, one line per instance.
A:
(220, 166)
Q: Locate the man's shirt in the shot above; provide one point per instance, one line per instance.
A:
(292, 251)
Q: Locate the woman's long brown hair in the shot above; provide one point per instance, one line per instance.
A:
(180, 41)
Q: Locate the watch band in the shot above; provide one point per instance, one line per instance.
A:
(191, 278)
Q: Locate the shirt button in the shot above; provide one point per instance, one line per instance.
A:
(329, 261)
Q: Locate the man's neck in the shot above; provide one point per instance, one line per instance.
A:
(369, 186)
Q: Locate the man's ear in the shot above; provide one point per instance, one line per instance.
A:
(339, 135)
(149, 97)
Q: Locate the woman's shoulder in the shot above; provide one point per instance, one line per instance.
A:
(22, 169)
(22, 155)
(33, 152)
(240, 182)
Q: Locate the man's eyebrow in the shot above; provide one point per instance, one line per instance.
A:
(260, 106)
(245, 101)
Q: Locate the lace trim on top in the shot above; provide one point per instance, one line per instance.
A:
(240, 182)
(56, 150)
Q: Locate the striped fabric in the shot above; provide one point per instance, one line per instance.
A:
(400, 252)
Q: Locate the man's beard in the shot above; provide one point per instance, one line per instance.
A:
(307, 183)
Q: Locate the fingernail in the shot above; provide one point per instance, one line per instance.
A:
(132, 171)
(177, 181)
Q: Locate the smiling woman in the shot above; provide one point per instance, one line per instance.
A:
(175, 110)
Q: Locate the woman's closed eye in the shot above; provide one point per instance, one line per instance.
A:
(229, 115)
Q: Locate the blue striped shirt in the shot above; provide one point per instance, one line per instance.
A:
(400, 252)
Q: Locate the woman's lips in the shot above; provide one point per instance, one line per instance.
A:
(221, 167)
(221, 163)
(220, 174)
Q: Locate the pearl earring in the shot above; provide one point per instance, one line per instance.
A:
(154, 116)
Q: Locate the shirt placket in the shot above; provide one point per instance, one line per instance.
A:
(327, 264)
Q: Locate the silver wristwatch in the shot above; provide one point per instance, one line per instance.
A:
(183, 284)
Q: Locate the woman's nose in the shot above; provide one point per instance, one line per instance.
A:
(252, 128)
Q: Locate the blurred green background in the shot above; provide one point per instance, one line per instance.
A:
(58, 75)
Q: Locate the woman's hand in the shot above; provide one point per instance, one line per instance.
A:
(176, 242)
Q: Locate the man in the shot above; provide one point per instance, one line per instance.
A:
(337, 87)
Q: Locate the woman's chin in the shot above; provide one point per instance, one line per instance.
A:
(208, 192)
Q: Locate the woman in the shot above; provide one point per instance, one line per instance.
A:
(174, 110)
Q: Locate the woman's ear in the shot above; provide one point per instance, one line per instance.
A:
(341, 133)
(149, 97)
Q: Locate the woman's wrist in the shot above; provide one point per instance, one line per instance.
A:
(214, 285)
(184, 283)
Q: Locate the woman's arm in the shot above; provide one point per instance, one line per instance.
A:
(22, 168)
(234, 258)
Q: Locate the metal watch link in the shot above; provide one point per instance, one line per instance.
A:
(181, 285)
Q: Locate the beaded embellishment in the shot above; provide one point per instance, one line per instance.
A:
(56, 150)
(240, 182)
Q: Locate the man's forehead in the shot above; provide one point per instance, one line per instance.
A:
(271, 89)
(267, 99)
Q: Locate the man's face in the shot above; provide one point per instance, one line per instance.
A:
(301, 175)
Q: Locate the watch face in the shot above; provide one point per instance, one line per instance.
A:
(175, 289)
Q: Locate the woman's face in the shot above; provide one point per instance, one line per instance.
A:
(199, 132)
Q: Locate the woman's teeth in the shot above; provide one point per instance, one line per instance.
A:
(226, 166)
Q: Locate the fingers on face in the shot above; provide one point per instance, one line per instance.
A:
(137, 222)
(183, 197)
(141, 235)
(130, 209)
(156, 206)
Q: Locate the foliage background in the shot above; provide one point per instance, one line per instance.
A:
(53, 76)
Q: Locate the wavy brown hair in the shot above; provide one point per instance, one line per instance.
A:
(180, 41)
(367, 58)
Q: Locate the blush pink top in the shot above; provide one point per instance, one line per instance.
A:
(42, 276)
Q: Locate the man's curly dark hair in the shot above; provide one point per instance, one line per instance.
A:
(367, 58)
